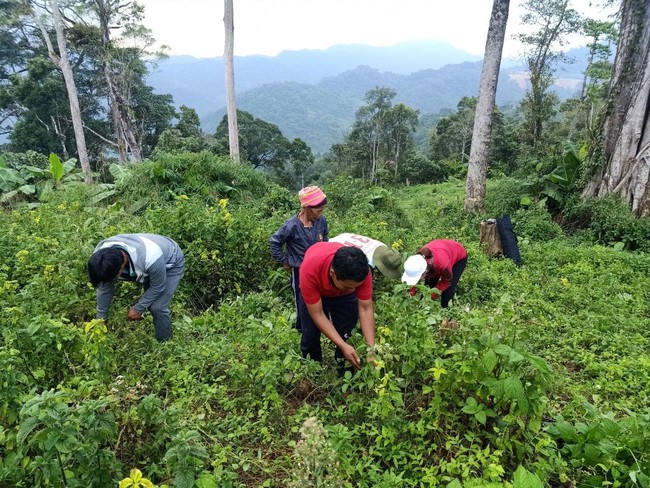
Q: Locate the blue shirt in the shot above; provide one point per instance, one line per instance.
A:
(291, 241)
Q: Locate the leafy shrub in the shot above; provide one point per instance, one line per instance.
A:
(535, 224)
(611, 221)
(202, 175)
(604, 450)
(225, 255)
(418, 170)
(504, 196)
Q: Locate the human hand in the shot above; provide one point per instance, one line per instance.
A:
(286, 266)
(351, 355)
(133, 314)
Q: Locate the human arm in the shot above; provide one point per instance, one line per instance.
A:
(326, 327)
(104, 299)
(443, 283)
(367, 321)
(157, 278)
(277, 243)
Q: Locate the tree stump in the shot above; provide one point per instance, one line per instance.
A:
(489, 239)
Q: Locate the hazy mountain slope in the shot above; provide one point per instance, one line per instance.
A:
(322, 114)
(199, 83)
(303, 93)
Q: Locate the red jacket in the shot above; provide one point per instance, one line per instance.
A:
(446, 253)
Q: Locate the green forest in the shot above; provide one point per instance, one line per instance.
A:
(535, 376)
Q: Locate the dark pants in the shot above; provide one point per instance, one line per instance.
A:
(159, 308)
(294, 278)
(344, 314)
(448, 294)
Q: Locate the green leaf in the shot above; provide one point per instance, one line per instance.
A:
(565, 430)
(455, 484)
(526, 479)
(490, 360)
(471, 406)
(481, 416)
(26, 428)
(56, 167)
(502, 349)
(206, 481)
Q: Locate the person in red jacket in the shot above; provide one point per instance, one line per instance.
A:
(442, 263)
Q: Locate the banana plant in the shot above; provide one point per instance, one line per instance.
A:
(561, 180)
(13, 185)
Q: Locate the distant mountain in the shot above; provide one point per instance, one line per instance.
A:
(314, 94)
(199, 83)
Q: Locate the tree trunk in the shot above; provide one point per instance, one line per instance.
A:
(123, 124)
(63, 63)
(489, 239)
(478, 158)
(233, 132)
(626, 127)
(122, 119)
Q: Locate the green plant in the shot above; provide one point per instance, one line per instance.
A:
(605, 450)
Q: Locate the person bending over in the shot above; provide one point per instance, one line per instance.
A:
(336, 290)
(152, 260)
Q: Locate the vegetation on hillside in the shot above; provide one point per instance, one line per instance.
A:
(535, 376)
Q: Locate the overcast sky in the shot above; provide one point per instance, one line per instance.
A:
(195, 27)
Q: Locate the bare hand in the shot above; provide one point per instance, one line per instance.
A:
(351, 355)
(286, 266)
(133, 314)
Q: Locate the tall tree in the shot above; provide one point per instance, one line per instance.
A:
(111, 15)
(401, 121)
(478, 156)
(554, 20)
(262, 142)
(233, 137)
(62, 62)
(452, 136)
(626, 147)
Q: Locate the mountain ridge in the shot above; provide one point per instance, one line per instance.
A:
(302, 92)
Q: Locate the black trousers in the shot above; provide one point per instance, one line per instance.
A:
(344, 314)
(294, 278)
(448, 294)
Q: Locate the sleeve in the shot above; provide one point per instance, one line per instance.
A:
(326, 232)
(364, 292)
(308, 286)
(157, 278)
(104, 299)
(445, 280)
(277, 242)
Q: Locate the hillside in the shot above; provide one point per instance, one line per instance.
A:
(199, 83)
(314, 94)
(534, 376)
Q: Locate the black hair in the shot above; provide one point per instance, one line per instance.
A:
(324, 202)
(104, 265)
(350, 263)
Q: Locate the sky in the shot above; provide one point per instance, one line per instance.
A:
(267, 27)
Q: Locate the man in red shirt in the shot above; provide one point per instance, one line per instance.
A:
(336, 289)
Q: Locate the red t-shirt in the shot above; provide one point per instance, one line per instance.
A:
(315, 279)
(446, 253)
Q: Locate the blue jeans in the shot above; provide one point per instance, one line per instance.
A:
(159, 308)
(344, 314)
